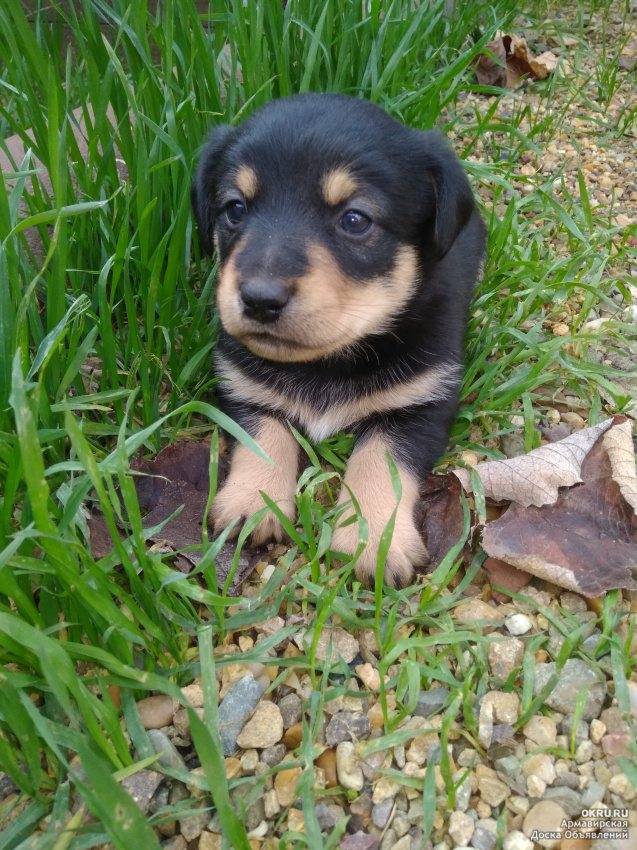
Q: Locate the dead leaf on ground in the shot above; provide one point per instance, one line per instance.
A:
(586, 540)
(534, 478)
(440, 519)
(512, 63)
(177, 477)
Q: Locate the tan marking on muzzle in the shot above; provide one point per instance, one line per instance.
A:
(328, 311)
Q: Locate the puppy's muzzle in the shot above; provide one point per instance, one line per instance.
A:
(264, 300)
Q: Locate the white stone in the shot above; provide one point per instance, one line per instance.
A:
(461, 827)
(535, 786)
(517, 841)
(518, 624)
(348, 767)
(597, 731)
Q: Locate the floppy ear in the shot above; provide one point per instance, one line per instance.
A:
(455, 203)
(203, 193)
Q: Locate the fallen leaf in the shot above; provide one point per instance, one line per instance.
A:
(534, 478)
(618, 443)
(440, 518)
(178, 478)
(585, 542)
(509, 63)
(491, 70)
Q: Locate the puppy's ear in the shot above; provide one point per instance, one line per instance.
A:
(455, 203)
(203, 193)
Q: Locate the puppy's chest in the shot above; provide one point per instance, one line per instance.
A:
(323, 406)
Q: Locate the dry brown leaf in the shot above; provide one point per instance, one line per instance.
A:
(618, 442)
(441, 517)
(534, 478)
(587, 540)
(512, 63)
(492, 71)
(178, 477)
(544, 64)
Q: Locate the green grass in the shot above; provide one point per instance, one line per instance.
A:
(119, 278)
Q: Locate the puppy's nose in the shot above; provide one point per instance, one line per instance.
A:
(264, 299)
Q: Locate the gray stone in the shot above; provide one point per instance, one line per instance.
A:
(614, 722)
(178, 792)
(359, 841)
(463, 795)
(568, 780)
(592, 641)
(7, 786)
(416, 840)
(517, 840)
(509, 765)
(290, 708)
(573, 603)
(176, 843)
(513, 444)
(593, 794)
(575, 675)
(430, 702)
(504, 657)
(567, 798)
(274, 754)
(381, 812)
(389, 840)
(255, 813)
(192, 827)
(241, 699)
(581, 733)
(142, 785)
(325, 818)
(160, 799)
(483, 839)
(401, 824)
(416, 811)
(346, 726)
(169, 757)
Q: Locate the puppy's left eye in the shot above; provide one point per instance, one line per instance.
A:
(355, 222)
(236, 212)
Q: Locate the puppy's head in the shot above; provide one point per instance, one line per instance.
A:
(327, 215)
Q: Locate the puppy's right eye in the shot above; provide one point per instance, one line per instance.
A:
(235, 213)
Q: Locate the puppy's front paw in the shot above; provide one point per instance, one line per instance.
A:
(239, 498)
(406, 550)
(368, 478)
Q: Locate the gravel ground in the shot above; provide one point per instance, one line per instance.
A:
(510, 784)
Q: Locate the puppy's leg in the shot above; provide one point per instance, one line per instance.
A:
(240, 496)
(369, 479)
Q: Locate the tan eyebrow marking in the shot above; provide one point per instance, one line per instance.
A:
(337, 186)
(246, 180)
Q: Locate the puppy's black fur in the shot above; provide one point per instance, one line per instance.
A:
(349, 247)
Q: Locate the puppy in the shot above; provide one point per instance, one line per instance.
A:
(349, 247)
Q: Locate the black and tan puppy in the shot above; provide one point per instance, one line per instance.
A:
(349, 247)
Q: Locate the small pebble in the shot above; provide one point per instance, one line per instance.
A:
(155, 712)
(348, 767)
(518, 624)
